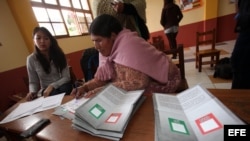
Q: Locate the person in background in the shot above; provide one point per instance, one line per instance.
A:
(240, 59)
(131, 13)
(171, 16)
(127, 61)
(47, 66)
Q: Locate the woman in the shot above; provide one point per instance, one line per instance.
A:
(127, 61)
(240, 59)
(171, 16)
(131, 13)
(47, 66)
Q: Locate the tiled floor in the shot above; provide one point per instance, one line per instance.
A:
(205, 78)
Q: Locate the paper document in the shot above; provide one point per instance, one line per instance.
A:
(192, 115)
(67, 110)
(34, 106)
(72, 105)
(108, 113)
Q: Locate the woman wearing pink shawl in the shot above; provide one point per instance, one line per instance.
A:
(127, 61)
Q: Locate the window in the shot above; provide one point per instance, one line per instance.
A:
(63, 18)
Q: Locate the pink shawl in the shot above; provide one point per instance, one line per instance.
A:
(134, 52)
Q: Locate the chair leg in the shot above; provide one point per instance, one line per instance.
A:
(200, 63)
(217, 58)
(196, 62)
(212, 60)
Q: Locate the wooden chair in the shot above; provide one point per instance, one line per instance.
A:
(181, 64)
(207, 38)
(158, 42)
(72, 75)
(19, 96)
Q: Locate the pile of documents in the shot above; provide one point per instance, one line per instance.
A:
(67, 110)
(192, 115)
(107, 114)
(34, 106)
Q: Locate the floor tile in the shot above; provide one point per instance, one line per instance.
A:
(205, 78)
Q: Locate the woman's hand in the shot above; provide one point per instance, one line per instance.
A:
(30, 96)
(48, 90)
(93, 92)
(118, 7)
(79, 92)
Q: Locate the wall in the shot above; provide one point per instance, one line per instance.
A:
(211, 14)
(17, 42)
(13, 52)
(13, 55)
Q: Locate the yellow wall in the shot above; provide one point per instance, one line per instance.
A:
(25, 19)
(18, 21)
(13, 51)
(211, 9)
(225, 7)
(214, 8)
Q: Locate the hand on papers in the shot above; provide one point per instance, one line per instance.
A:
(79, 92)
(48, 90)
(31, 96)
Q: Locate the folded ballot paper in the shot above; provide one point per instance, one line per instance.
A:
(67, 110)
(192, 115)
(107, 114)
(34, 106)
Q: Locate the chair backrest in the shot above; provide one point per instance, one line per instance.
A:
(72, 75)
(158, 42)
(181, 64)
(180, 53)
(89, 63)
(206, 38)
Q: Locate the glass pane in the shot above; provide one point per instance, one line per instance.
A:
(51, 2)
(80, 17)
(59, 29)
(41, 14)
(65, 3)
(84, 28)
(48, 26)
(76, 4)
(36, 0)
(85, 5)
(89, 18)
(71, 22)
(54, 15)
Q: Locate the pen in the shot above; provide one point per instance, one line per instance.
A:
(75, 87)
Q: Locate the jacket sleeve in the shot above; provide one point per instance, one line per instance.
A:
(163, 18)
(180, 15)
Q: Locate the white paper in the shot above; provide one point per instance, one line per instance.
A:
(31, 107)
(192, 115)
(72, 105)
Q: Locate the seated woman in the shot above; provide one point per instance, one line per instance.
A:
(47, 67)
(127, 61)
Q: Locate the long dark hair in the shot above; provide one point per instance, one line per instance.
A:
(104, 25)
(56, 54)
(168, 1)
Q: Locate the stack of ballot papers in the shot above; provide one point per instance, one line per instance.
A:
(192, 115)
(107, 114)
(34, 106)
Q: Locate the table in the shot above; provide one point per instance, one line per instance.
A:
(141, 126)
(238, 101)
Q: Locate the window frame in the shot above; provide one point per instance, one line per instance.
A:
(58, 7)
